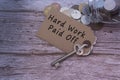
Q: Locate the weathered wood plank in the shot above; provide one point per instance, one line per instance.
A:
(18, 30)
(19, 22)
(35, 67)
(32, 5)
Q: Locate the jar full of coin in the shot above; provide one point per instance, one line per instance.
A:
(105, 11)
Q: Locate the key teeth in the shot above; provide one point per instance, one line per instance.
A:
(77, 48)
(57, 65)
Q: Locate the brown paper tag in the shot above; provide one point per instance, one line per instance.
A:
(64, 32)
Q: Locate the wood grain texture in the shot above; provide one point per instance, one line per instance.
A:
(23, 56)
(18, 30)
(32, 5)
(35, 67)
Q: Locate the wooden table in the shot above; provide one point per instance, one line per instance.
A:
(23, 56)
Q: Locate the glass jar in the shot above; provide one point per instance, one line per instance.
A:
(105, 11)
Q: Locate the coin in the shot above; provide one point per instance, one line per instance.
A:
(86, 10)
(76, 7)
(99, 3)
(68, 12)
(50, 7)
(96, 3)
(76, 14)
(85, 20)
(63, 9)
(47, 10)
(81, 6)
(110, 5)
(56, 6)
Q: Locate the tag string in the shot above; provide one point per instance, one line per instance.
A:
(78, 49)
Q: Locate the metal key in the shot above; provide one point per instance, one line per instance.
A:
(77, 50)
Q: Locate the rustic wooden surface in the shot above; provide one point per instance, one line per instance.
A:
(23, 56)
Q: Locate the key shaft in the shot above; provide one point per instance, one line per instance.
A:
(59, 60)
(77, 50)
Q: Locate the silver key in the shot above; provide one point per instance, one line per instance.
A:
(77, 50)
